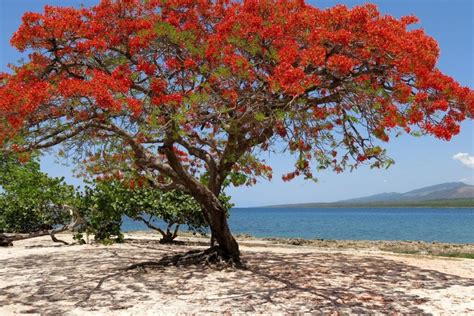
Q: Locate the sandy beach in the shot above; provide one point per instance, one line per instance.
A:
(38, 276)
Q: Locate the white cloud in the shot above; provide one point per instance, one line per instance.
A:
(465, 159)
(468, 180)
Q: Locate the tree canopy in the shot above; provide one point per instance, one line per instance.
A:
(185, 94)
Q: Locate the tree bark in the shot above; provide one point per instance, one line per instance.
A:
(208, 198)
(215, 214)
(221, 231)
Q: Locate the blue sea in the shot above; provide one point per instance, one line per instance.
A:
(454, 225)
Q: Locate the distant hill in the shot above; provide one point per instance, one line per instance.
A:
(451, 190)
(452, 194)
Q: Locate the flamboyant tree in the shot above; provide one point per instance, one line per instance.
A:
(185, 93)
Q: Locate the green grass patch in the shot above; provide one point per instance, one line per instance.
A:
(457, 255)
(442, 254)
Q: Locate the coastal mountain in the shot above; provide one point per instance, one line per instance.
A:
(445, 194)
(450, 190)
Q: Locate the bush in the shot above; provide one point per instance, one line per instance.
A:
(104, 204)
(30, 200)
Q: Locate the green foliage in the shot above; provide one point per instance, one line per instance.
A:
(104, 204)
(465, 255)
(98, 207)
(173, 207)
(30, 200)
(458, 255)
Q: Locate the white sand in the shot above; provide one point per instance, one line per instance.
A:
(40, 277)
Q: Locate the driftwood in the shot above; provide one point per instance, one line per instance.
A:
(7, 240)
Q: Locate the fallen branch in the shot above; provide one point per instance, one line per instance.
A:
(7, 240)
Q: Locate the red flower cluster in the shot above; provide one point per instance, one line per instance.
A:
(208, 68)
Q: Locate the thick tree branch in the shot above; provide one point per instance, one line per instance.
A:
(142, 157)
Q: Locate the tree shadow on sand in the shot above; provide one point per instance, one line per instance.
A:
(121, 277)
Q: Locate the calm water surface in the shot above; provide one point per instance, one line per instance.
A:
(427, 224)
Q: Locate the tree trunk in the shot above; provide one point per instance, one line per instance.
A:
(221, 231)
(166, 238)
(169, 237)
(206, 196)
(215, 215)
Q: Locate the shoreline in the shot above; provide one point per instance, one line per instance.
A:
(435, 248)
(38, 276)
(413, 247)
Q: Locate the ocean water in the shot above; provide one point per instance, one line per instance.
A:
(454, 225)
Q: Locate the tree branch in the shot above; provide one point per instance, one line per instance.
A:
(56, 139)
(151, 226)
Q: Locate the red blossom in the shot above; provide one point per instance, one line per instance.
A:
(208, 69)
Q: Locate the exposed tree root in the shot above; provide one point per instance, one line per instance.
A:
(214, 257)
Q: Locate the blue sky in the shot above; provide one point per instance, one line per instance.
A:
(419, 161)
